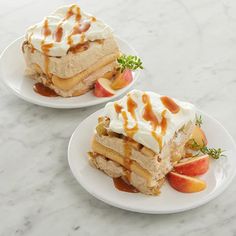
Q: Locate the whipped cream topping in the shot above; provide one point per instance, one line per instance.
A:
(149, 118)
(66, 27)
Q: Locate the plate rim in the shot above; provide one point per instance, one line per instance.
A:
(73, 104)
(211, 196)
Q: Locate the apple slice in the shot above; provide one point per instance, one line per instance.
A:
(122, 80)
(103, 88)
(185, 184)
(193, 166)
(199, 136)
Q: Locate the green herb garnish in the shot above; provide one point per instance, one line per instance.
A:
(129, 62)
(215, 153)
(198, 121)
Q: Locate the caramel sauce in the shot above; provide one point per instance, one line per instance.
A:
(129, 131)
(187, 155)
(93, 19)
(131, 106)
(79, 47)
(121, 185)
(170, 104)
(45, 48)
(163, 123)
(70, 12)
(44, 91)
(79, 28)
(127, 154)
(150, 116)
(58, 33)
(99, 41)
(82, 38)
(45, 30)
(118, 108)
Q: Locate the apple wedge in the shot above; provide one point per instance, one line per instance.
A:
(193, 166)
(103, 88)
(199, 136)
(185, 184)
(122, 80)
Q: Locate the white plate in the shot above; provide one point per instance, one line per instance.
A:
(12, 67)
(101, 186)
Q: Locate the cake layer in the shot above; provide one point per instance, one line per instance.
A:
(72, 63)
(115, 170)
(82, 86)
(157, 164)
(132, 165)
(67, 84)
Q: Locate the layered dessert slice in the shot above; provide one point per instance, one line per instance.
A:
(69, 50)
(141, 137)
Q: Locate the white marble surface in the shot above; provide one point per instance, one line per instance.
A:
(189, 51)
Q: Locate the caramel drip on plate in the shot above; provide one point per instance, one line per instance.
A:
(150, 116)
(121, 185)
(44, 91)
(170, 104)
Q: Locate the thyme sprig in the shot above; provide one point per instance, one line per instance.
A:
(198, 121)
(129, 62)
(215, 153)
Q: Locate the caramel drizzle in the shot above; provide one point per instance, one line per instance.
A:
(79, 28)
(118, 108)
(170, 104)
(70, 13)
(58, 33)
(45, 30)
(131, 106)
(45, 47)
(150, 116)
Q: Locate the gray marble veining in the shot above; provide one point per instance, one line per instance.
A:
(189, 52)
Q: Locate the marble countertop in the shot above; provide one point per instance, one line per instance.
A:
(189, 52)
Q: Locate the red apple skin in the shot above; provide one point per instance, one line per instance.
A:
(194, 166)
(185, 184)
(122, 80)
(100, 91)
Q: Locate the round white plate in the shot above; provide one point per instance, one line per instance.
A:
(101, 186)
(12, 67)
